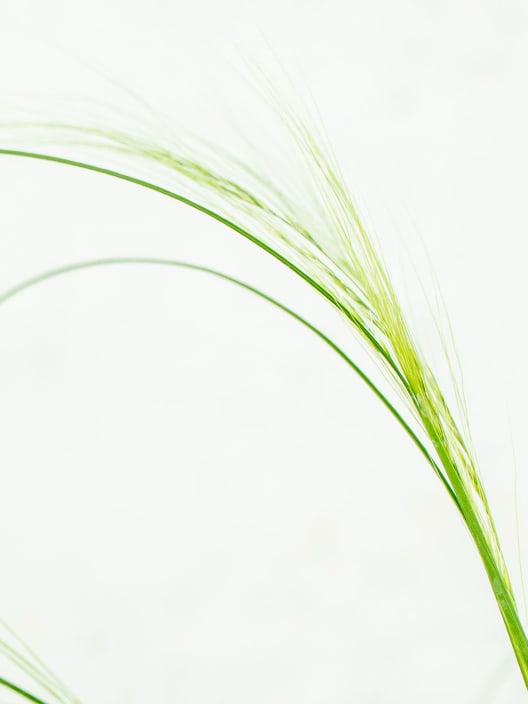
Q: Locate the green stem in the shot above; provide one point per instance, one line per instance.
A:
(22, 692)
(448, 475)
(231, 225)
(499, 579)
(503, 595)
(59, 271)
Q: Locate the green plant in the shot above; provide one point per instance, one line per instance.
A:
(323, 240)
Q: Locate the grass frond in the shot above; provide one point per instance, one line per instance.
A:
(321, 236)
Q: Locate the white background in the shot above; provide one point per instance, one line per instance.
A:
(200, 502)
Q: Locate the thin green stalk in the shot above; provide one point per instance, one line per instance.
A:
(340, 262)
(33, 665)
(22, 692)
(228, 223)
(501, 589)
(60, 271)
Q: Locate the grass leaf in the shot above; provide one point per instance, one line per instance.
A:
(322, 238)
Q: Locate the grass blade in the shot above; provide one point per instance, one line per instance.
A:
(327, 245)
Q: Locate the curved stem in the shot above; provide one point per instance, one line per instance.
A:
(231, 225)
(445, 471)
(59, 271)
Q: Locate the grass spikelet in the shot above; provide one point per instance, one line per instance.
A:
(321, 237)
